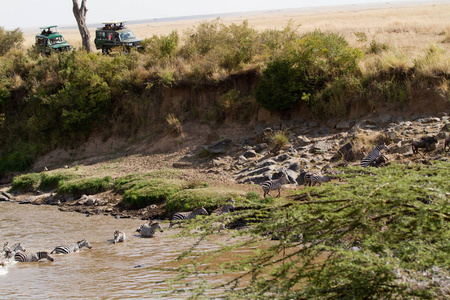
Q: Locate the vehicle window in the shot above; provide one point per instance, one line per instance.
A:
(127, 35)
(56, 40)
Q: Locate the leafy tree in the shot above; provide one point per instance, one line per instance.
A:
(383, 234)
(304, 68)
(10, 39)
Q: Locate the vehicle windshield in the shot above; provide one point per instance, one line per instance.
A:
(56, 40)
(127, 35)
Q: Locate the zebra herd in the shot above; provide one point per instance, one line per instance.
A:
(375, 158)
(18, 253)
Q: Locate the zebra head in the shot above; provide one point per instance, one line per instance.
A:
(384, 147)
(230, 200)
(155, 225)
(44, 254)
(84, 243)
(201, 211)
(18, 247)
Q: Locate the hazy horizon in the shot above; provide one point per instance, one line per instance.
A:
(28, 13)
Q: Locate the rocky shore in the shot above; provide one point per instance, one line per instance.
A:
(246, 161)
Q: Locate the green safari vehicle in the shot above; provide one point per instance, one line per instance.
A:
(50, 40)
(114, 35)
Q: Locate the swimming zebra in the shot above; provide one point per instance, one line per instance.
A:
(31, 257)
(9, 252)
(149, 230)
(74, 247)
(119, 236)
(271, 185)
(187, 215)
(376, 152)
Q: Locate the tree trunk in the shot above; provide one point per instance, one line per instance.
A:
(80, 15)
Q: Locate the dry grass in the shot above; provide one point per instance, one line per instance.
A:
(409, 29)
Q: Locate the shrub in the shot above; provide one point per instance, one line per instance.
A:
(309, 63)
(88, 186)
(278, 139)
(25, 183)
(51, 181)
(152, 191)
(174, 124)
(10, 39)
(208, 197)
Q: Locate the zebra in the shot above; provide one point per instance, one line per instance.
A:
(31, 257)
(311, 178)
(149, 230)
(224, 209)
(179, 216)
(74, 247)
(428, 142)
(119, 236)
(270, 185)
(376, 152)
(380, 160)
(9, 252)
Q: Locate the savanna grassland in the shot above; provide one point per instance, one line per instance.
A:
(123, 125)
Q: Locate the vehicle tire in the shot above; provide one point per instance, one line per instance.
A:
(105, 50)
(126, 50)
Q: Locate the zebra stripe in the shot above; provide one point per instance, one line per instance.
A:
(180, 216)
(376, 152)
(31, 257)
(149, 230)
(271, 185)
(225, 209)
(74, 247)
(119, 236)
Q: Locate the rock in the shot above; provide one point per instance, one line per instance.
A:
(446, 127)
(385, 118)
(343, 125)
(324, 130)
(295, 166)
(291, 151)
(349, 152)
(260, 147)
(331, 123)
(265, 163)
(249, 154)
(429, 120)
(218, 147)
(302, 140)
(313, 124)
(322, 147)
(181, 165)
(281, 157)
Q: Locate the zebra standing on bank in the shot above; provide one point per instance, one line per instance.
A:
(31, 257)
(180, 216)
(271, 185)
(149, 230)
(119, 236)
(376, 152)
(74, 247)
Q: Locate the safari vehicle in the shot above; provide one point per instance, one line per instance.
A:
(115, 36)
(50, 40)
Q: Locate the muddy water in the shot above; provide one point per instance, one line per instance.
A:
(107, 271)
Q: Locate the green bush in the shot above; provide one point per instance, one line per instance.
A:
(51, 181)
(307, 65)
(208, 197)
(25, 183)
(152, 191)
(10, 39)
(88, 186)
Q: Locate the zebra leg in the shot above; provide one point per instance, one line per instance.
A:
(279, 192)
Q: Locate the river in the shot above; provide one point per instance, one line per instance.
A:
(107, 271)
